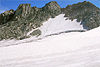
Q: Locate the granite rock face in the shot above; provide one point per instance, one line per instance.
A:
(6, 16)
(16, 24)
(23, 11)
(52, 8)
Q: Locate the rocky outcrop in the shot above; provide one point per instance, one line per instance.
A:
(6, 16)
(36, 33)
(23, 11)
(26, 18)
(52, 8)
(86, 12)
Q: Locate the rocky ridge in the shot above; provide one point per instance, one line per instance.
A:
(16, 24)
(86, 12)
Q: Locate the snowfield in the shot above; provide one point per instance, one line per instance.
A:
(52, 26)
(63, 50)
(59, 24)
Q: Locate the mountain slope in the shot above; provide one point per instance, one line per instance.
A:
(64, 50)
(17, 24)
(24, 19)
(52, 26)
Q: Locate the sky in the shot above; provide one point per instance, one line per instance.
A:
(13, 4)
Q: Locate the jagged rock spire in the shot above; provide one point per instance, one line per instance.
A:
(53, 5)
(24, 10)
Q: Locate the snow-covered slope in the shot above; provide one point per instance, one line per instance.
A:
(59, 24)
(64, 50)
(52, 26)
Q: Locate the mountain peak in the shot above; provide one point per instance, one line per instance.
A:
(84, 11)
(23, 10)
(87, 4)
(52, 5)
(53, 2)
(24, 5)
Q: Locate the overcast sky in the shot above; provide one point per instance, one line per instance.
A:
(13, 4)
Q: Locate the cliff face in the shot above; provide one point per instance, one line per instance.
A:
(23, 11)
(16, 24)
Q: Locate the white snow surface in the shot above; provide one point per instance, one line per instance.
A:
(59, 24)
(64, 50)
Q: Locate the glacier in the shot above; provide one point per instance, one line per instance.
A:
(76, 49)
